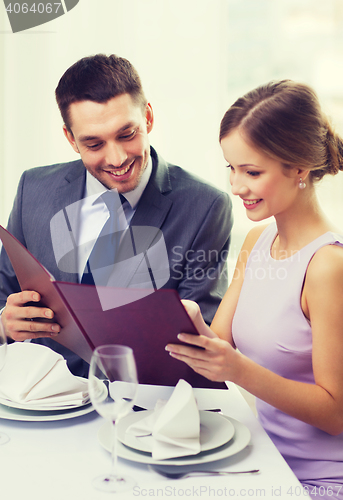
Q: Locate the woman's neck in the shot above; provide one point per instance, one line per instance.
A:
(301, 224)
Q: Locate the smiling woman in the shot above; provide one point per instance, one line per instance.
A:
(284, 308)
(259, 180)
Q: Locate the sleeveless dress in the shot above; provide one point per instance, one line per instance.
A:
(270, 328)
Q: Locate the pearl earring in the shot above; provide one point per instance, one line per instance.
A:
(302, 184)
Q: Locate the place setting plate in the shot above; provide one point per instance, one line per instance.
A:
(10, 413)
(12, 410)
(214, 431)
(220, 437)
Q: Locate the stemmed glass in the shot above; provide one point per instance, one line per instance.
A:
(112, 388)
(3, 349)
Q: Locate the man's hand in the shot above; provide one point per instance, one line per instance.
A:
(19, 318)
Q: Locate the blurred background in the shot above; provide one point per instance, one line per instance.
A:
(195, 57)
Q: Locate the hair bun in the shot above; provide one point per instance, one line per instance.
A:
(334, 146)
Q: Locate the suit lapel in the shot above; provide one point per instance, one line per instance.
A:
(66, 208)
(72, 187)
(153, 207)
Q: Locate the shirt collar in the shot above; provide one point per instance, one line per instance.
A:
(94, 188)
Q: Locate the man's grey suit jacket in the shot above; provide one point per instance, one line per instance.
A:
(194, 217)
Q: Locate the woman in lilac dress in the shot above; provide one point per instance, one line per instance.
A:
(278, 332)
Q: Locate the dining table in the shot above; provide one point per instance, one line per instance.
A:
(57, 459)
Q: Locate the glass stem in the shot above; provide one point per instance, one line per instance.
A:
(114, 450)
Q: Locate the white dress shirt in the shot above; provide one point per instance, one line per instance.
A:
(94, 213)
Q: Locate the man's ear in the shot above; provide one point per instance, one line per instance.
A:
(70, 139)
(149, 116)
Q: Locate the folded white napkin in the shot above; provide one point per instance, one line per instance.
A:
(174, 425)
(37, 376)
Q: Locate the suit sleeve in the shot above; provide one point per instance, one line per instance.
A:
(8, 280)
(203, 271)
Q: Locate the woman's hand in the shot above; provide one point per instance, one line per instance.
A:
(193, 311)
(217, 360)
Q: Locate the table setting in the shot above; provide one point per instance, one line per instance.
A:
(65, 431)
(177, 433)
(36, 385)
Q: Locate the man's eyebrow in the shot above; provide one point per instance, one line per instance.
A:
(86, 138)
(125, 127)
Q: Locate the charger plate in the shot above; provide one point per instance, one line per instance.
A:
(239, 441)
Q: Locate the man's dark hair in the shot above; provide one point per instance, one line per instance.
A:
(98, 78)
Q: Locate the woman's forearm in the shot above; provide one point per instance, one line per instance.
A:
(310, 403)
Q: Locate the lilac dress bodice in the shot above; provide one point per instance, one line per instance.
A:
(270, 328)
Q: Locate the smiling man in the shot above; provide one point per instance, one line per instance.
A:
(107, 120)
(112, 139)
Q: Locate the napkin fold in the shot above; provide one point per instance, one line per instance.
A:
(174, 425)
(36, 375)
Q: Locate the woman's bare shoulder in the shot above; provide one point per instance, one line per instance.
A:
(253, 235)
(326, 265)
(249, 243)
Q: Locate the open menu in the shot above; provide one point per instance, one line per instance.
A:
(146, 325)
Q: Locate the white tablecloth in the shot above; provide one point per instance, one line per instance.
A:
(57, 460)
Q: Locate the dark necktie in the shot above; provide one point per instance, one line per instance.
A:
(103, 254)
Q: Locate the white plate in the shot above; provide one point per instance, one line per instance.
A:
(57, 407)
(214, 431)
(239, 441)
(42, 416)
(28, 406)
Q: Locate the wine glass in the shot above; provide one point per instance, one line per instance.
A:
(3, 349)
(112, 388)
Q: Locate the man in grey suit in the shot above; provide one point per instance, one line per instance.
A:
(107, 120)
